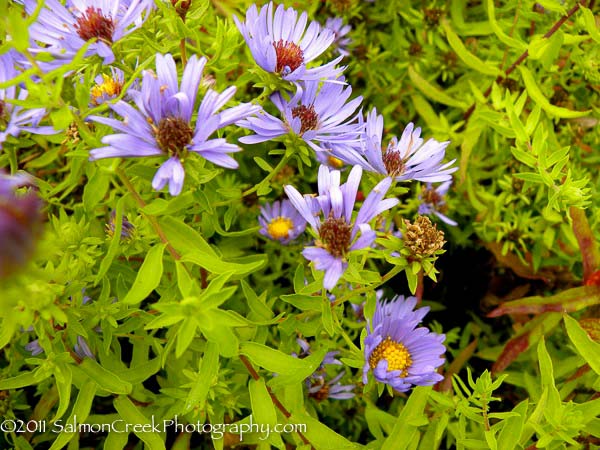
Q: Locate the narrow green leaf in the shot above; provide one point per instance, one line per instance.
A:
(587, 348)
(64, 378)
(590, 23)
(263, 409)
(513, 427)
(25, 379)
(131, 414)
(405, 428)
(536, 94)
(148, 277)
(209, 368)
(95, 189)
(105, 379)
(433, 92)
(502, 36)
(467, 57)
(185, 336)
(263, 164)
(321, 436)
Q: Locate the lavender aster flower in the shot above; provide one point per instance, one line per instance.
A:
(127, 228)
(13, 118)
(329, 358)
(321, 390)
(63, 31)
(407, 159)
(398, 353)
(107, 87)
(161, 124)
(432, 202)
(20, 222)
(340, 30)
(34, 347)
(337, 233)
(280, 43)
(321, 117)
(82, 349)
(281, 222)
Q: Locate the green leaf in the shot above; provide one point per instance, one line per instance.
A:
(406, 423)
(148, 277)
(105, 379)
(467, 57)
(95, 189)
(263, 164)
(536, 94)
(209, 369)
(64, 378)
(590, 23)
(22, 380)
(263, 409)
(502, 36)
(321, 436)
(513, 427)
(185, 335)
(132, 415)
(113, 247)
(433, 92)
(587, 348)
(81, 411)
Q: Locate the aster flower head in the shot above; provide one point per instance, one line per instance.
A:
(281, 222)
(336, 24)
(107, 87)
(63, 30)
(280, 43)
(162, 123)
(320, 114)
(330, 216)
(13, 118)
(409, 158)
(82, 349)
(433, 202)
(127, 228)
(396, 351)
(20, 221)
(34, 347)
(320, 390)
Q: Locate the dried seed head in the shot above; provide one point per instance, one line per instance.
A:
(422, 237)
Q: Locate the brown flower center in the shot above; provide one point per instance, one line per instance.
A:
(322, 394)
(431, 196)
(173, 134)
(393, 162)
(288, 55)
(336, 235)
(93, 24)
(309, 120)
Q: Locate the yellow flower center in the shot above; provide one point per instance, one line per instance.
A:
(335, 162)
(279, 228)
(394, 353)
(109, 86)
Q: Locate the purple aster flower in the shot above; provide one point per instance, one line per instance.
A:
(34, 347)
(127, 228)
(320, 116)
(321, 390)
(337, 233)
(280, 43)
(108, 87)
(82, 349)
(398, 353)
(281, 222)
(340, 30)
(407, 159)
(13, 118)
(20, 221)
(329, 358)
(161, 124)
(63, 30)
(432, 201)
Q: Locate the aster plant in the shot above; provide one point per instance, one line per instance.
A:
(162, 124)
(433, 201)
(14, 118)
(63, 30)
(330, 216)
(281, 222)
(396, 351)
(320, 114)
(281, 44)
(409, 158)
